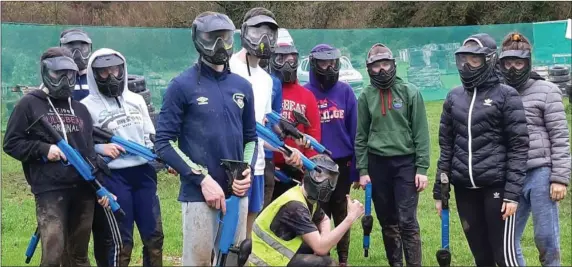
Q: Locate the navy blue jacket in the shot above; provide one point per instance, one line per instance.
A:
(212, 118)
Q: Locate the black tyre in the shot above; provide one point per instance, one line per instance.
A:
(136, 83)
(559, 71)
(146, 94)
(559, 79)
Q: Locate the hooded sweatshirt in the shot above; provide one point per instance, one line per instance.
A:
(338, 114)
(31, 146)
(392, 122)
(211, 117)
(125, 116)
(296, 97)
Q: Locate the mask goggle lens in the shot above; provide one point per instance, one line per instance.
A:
(82, 47)
(56, 75)
(513, 62)
(104, 73)
(281, 59)
(255, 33)
(209, 39)
(471, 61)
(380, 65)
(324, 64)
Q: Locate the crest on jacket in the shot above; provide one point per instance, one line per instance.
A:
(238, 98)
(397, 103)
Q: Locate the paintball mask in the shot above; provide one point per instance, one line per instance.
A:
(59, 76)
(325, 65)
(284, 63)
(258, 36)
(80, 45)
(475, 63)
(263, 63)
(109, 74)
(381, 67)
(515, 67)
(213, 38)
(319, 186)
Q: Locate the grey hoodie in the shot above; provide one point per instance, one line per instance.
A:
(547, 129)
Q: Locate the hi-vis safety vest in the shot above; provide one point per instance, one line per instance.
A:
(267, 248)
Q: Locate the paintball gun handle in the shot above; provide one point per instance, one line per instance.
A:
(444, 254)
(367, 221)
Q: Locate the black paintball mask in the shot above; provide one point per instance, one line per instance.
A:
(319, 186)
(80, 45)
(325, 65)
(475, 62)
(109, 74)
(515, 67)
(380, 57)
(258, 36)
(59, 76)
(263, 63)
(284, 63)
(213, 37)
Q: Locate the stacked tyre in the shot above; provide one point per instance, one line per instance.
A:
(560, 75)
(137, 84)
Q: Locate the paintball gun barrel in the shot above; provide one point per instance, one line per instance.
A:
(444, 254)
(367, 221)
(32, 245)
(229, 221)
(289, 129)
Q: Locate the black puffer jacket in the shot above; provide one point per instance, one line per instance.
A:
(483, 138)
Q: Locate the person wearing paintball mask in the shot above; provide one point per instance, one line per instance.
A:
(548, 164)
(299, 229)
(392, 147)
(209, 112)
(338, 113)
(258, 38)
(79, 43)
(117, 110)
(64, 200)
(284, 65)
(483, 139)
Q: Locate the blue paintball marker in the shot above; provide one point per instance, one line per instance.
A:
(229, 221)
(289, 129)
(32, 245)
(270, 137)
(444, 254)
(129, 146)
(284, 178)
(84, 167)
(367, 221)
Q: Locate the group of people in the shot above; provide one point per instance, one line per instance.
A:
(503, 138)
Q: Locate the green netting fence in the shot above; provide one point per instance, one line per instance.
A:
(425, 55)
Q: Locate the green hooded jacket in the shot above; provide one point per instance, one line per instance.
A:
(393, 123)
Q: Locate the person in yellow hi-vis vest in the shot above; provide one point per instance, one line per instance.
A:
(293, 230)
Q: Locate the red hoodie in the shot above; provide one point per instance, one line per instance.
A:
(296, 97)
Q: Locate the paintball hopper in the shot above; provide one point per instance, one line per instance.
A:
(233, 169)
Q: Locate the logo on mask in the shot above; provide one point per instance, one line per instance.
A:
(261, 46)
(397, 103)
(238, 98)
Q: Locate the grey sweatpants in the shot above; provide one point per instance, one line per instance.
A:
(200, 226)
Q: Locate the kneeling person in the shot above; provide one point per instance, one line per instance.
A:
(297, 227)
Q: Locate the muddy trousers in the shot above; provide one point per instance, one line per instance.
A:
(395, 199)
(136, 191)
(64, 223)
(337, 207)
(490, 238)
(106, 237)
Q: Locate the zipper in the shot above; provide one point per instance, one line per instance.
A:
(471, 138)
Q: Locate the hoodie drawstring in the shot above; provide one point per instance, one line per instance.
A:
(389, 100)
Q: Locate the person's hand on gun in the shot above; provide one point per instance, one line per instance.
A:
(55, 154)
(112, 150)
(240, 187)
(294, 159)
(355, 209)
(363, 181)
(304, 142)
(508, 209)
(104, 201)
(213, 194)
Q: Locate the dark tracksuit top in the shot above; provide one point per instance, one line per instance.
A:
(211, 116)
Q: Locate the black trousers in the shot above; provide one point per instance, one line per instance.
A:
(337, 207)
(268, 182)
(64, 223)
(395, 200)
(490, 238)
(106, 238)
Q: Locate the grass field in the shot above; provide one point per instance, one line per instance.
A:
(18, 220)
